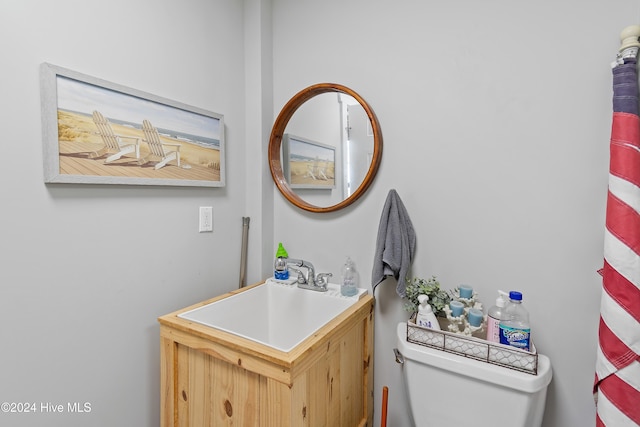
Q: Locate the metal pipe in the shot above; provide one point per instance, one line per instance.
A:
(243, 252)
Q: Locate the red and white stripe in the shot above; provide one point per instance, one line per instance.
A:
(617, 382)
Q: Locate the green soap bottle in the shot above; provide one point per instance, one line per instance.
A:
(280, 270)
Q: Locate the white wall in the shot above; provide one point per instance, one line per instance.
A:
(87, 269)
(496, 118)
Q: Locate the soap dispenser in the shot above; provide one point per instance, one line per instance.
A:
(494, 316)
(349, 285)
(280, 270)
(425, 315)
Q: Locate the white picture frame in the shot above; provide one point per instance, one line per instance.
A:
(98, 132)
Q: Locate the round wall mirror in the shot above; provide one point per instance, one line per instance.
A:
(325, 148)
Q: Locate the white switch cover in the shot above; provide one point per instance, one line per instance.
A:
(206, 219)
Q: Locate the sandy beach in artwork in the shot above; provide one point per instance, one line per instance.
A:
(78, 139)
(303, 173)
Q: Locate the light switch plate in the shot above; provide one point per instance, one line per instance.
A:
(206, 219)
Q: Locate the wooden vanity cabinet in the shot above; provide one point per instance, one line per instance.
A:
(213, 378)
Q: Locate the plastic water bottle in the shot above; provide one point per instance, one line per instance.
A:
(514, 324)
(349, 285)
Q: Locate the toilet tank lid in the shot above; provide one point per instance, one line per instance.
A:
(461, 365)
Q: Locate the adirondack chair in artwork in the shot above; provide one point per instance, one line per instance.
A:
(316, 171)
(163, 150)
(113, 143)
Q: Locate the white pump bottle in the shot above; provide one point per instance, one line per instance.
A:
(495, 315)
(425, 315)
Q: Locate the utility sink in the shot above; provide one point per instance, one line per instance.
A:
(271, 355)
(277, 314)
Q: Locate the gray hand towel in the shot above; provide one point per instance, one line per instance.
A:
(395, 245)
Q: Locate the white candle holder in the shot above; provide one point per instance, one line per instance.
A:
(460, 324)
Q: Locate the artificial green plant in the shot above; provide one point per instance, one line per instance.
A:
(438, 298)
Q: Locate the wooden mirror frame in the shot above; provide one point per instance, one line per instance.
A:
(275, 144)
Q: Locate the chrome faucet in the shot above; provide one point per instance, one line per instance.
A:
(310, 280)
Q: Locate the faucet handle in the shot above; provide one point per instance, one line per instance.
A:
(301, 278)
(322, 279)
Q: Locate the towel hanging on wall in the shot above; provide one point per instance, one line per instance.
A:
(395, 245)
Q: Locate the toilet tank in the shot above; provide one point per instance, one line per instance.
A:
(448, 389)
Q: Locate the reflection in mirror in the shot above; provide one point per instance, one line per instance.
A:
(328, 154)
(335, 152)
(309, 164)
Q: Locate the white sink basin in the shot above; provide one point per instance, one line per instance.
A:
(275, 314)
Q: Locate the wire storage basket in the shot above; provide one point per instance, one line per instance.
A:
(475, 348)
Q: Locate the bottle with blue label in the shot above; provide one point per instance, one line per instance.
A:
(280, 270)
(425, 316)
(514, 324)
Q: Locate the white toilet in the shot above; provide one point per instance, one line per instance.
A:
(445, 389)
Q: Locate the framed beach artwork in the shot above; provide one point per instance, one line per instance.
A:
(308, 164)
(97, 132)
